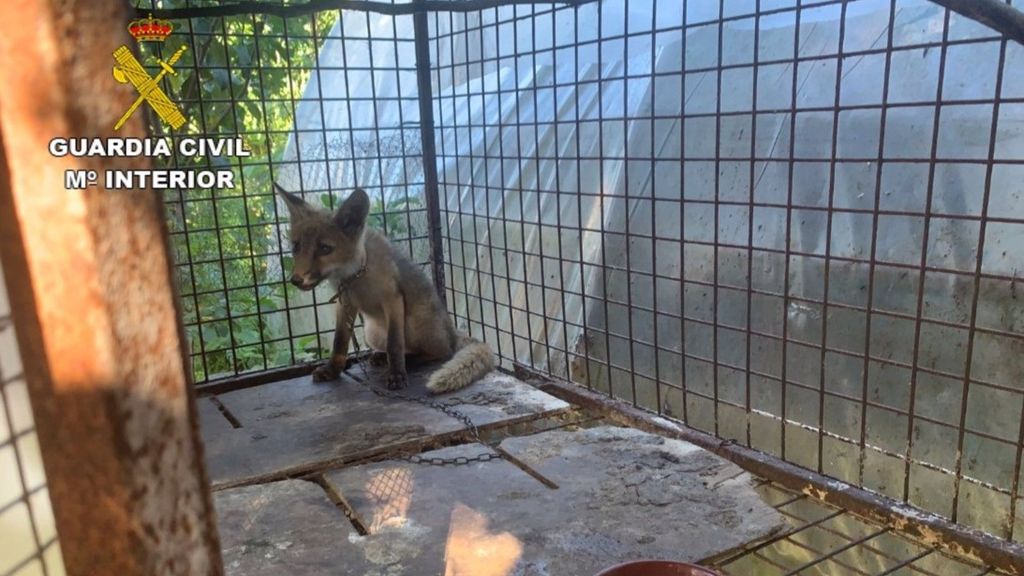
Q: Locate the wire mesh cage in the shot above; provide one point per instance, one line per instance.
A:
(776, 223)
(28, 535)
(325, 105)
(793, 225)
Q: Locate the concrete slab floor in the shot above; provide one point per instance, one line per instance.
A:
(622, 494)
(614, 487)
(294, 426)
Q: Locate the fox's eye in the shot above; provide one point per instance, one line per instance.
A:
(324, 249)
(295, 248)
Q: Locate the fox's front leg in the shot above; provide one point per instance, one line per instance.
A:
(345, 314)
(395, 312)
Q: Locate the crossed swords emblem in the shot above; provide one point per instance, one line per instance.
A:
(129, 70)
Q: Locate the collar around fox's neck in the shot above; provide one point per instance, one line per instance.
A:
(359, 274)
(345, 283)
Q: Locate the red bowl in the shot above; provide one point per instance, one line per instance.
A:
(658, 568)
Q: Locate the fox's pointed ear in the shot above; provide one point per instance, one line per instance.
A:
(351, 215)
(296, 205)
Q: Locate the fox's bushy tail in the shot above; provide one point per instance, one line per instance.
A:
(472, 360)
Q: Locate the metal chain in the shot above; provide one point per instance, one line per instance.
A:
(474, 431)
(471, 427)
(458, 461)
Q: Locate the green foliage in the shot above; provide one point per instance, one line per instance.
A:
(241, 76)
(393, 215)
(238, 77)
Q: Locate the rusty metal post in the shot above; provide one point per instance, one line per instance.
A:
(90, 282)
(431, 190)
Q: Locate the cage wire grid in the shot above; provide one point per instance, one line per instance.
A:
(746, 332)
(28, 537)
(789, 224)
(822, 540)
(231, 247)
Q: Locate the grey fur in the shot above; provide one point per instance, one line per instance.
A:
(403, 313)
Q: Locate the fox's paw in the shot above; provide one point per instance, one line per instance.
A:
(325, 373)
(378, 359)
(397, 380)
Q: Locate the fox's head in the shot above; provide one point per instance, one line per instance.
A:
(325, 244)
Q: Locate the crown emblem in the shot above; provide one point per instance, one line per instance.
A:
(150, 29)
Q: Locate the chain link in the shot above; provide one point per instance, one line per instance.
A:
(457, 461)
(446, 409)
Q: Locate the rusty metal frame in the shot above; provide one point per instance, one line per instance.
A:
(98, 324)
(428, 139)
(375, 6)
(996, 14)
(1000, 16)
(824, 518)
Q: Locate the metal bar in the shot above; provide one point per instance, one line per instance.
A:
(833, 154)
(603, 200)
(577, 141)
(458, 187)
(682, 219)
(293, 107)
(925, 235)
(999, 16)
(505, 219)
(832, 554)
(115, 416)
(869, 312)
(791, 170)
(978, 265)
(404, 154)
(995, 14)
(658, 402)
(626, 195)
(563, 296)
(517, 108)
(376, 127)
(535, 156)
(715, 261)
(930, 529)
(441, 128)
(240, 381)
(873, 549)
(430, 190)
(282, 241)
(189, 265)
(248, 230)
(907, 562)
(292, 10)
(748, 313)
(774, 539)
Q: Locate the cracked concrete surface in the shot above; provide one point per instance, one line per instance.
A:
(623, 495)
(288, 527)
(293, 425)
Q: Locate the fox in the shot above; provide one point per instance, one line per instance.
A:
(403, 314)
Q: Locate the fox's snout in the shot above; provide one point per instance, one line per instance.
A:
(302, 283)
